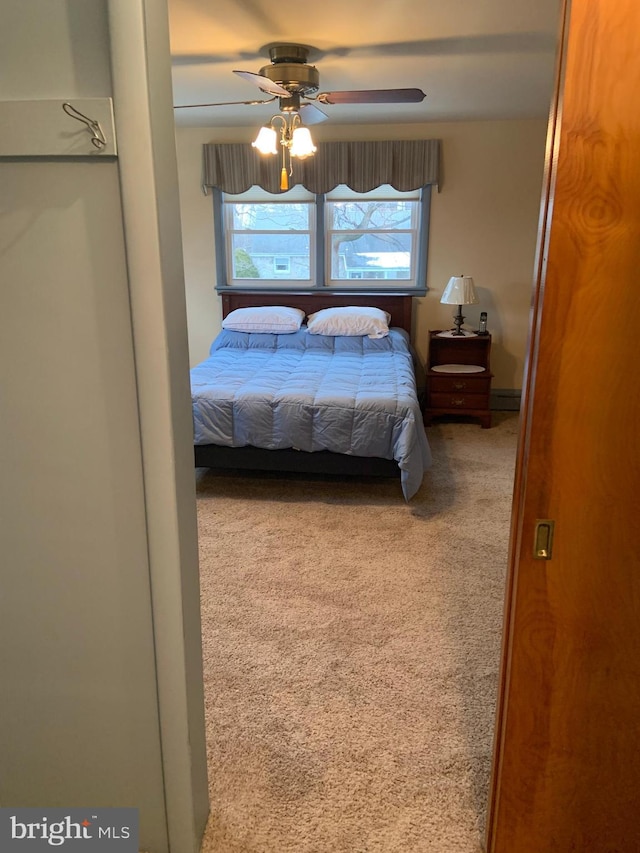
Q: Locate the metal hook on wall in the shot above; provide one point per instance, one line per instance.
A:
(97, 135)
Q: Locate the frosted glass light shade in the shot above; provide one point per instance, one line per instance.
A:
(459, 291)
(265, 141)
(301, 143)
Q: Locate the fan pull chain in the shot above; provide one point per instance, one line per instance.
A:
(284, 177)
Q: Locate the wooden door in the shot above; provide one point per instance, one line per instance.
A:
(567, 761)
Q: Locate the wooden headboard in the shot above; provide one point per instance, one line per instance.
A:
(397, 305)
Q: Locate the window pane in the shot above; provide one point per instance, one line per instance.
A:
(361, 215)
(271, 256)
(270, 217)
(371, 256)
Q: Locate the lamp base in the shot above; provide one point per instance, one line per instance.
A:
(458, 320)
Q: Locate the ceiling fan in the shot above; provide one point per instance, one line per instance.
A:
(295, 83)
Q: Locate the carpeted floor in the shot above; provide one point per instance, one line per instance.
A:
(351, 652)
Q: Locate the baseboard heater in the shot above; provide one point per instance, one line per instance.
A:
(505, 399)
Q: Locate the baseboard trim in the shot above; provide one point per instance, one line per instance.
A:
(505, 399)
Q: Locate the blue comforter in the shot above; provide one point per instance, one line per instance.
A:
(349, 395)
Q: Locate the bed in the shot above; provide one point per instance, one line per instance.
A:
(312, 403)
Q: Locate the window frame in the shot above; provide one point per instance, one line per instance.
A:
(322, 280)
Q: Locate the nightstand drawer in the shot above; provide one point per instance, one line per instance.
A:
(456, 383)
(458, 400)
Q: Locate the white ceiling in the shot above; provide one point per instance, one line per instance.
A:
(475, 59)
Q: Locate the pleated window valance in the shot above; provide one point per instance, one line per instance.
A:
(362, 166)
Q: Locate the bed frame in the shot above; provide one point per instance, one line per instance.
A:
(322, 461)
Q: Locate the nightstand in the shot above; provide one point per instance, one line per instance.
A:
(458, 379)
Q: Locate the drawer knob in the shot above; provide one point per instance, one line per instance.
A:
(459, 386)
(457, 401)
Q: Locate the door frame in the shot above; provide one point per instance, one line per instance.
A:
(519, 488)
(143, 110)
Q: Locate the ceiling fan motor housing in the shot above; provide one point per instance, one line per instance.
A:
(289, 69)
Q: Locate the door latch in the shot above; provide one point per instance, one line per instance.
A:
(543, 539)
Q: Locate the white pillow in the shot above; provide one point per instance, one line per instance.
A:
(267, 319)
(350, 321)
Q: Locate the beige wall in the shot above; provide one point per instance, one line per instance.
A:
(483, 223)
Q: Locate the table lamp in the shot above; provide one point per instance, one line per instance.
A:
(459, 291)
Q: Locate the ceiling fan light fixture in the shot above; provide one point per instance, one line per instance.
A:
(301, 143)
(293, 138)
(295, 141)
(265, 141)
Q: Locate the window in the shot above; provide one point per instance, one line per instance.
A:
(282, 265)
(343, 240)
(269, 238)
(372, 236)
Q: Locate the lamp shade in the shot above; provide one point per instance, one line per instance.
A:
(301, 143)
(459, 291)
(265, 141)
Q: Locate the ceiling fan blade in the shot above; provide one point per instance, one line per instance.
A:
(215, 58)
(223, 104)
(310, 114)
(264, 83)
(373, 96)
